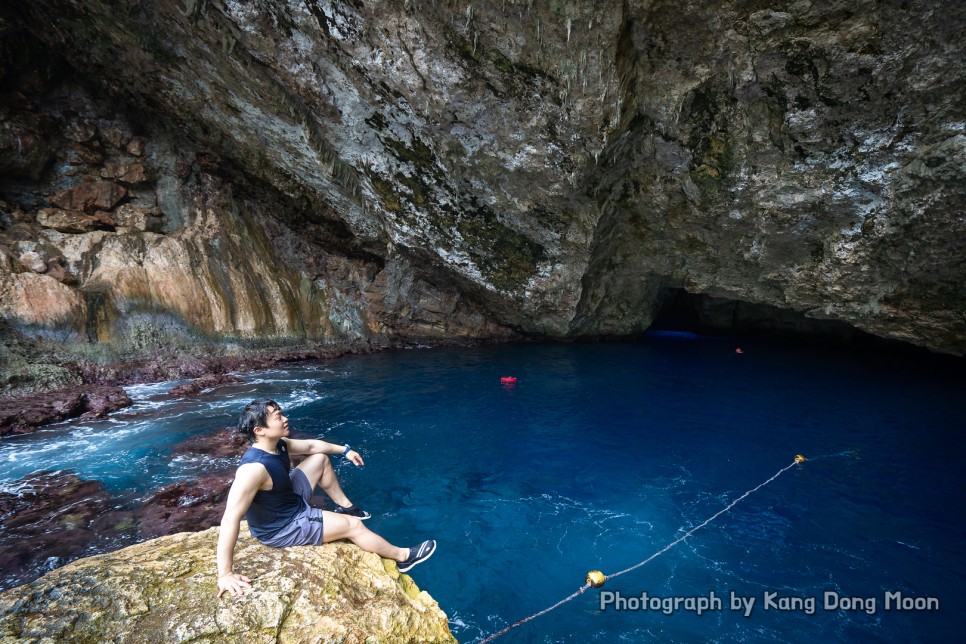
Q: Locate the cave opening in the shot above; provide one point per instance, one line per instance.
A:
(722, 317)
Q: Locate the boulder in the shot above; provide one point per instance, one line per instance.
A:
(165, 591)
(99, 401)
(79, 154)
(133, 172)
(90, 197)
(67, 221)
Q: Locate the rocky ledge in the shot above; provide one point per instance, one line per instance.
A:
(24, 414)
(165, 591)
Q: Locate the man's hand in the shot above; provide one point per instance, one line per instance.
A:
(233, 583)
(354, 457)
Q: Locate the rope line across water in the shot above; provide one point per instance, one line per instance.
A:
(582, 589)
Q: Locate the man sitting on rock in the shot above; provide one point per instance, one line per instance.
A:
(274, 498)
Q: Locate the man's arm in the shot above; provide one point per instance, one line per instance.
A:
(316, 446)
(248, 479)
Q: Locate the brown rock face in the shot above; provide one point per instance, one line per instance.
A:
(90, 197)
(380, 172)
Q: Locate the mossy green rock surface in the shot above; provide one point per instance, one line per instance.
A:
(165, 591)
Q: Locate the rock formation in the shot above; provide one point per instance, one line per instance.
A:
(50, 518)
(19, 416)
(314, 173)
(164, 591)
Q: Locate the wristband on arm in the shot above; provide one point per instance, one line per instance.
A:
(346, 451)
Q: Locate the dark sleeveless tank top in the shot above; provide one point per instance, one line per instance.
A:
(271, 510)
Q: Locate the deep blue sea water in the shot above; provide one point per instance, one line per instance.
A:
(599, 456)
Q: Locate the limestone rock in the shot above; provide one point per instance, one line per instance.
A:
(164, 591)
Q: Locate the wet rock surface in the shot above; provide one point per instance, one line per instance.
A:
(188, 506)
(50, 518)
(204, 383)
(23, 415)
(225, 443)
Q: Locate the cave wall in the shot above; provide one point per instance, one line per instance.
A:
(441, 169)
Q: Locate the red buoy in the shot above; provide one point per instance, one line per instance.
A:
(508, 380)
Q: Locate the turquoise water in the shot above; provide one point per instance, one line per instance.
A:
(598, 457)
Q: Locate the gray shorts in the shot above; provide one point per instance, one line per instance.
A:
(306, 528)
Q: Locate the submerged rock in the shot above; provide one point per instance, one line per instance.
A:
(50, 518)
(198, 385)
(165, 591)
(225, 443)
(186, 506)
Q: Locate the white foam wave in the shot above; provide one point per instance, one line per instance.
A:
(300, 398)
(20, 487)
(141, 391)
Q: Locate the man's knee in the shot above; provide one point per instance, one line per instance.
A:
(323, 458)
(340, 526)
(354, 528)
(316, 461)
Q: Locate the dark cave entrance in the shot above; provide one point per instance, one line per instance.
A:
(721, 317)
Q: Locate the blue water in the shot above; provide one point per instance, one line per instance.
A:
(598, 457)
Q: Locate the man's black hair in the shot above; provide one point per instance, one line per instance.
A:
(255, 415)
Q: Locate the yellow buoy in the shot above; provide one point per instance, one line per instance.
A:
(595, 578)
(799, 458)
